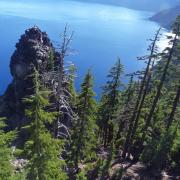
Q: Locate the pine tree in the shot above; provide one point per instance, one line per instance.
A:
(71, 87)
(6, 138)
(125, 110)
(162, 132)
(174, 108)
(110, 101)
(42, 151)
(175, 152)
(144, 86)
(168, 58)
(84, 128)
(166, 109)
(170, 134)
(51, 61)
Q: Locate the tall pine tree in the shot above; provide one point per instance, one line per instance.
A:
(84, 128)
(42, 151)
(110, 102)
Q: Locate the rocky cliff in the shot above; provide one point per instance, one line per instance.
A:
(33, 49)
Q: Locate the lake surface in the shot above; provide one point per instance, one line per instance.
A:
(102, 33)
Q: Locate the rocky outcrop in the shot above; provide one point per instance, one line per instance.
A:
(19, 164)
(33, 49)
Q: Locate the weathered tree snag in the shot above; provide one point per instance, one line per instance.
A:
(62, 94)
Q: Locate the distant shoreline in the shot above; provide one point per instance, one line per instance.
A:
(166, 17)
(150, 6)
(164, 42)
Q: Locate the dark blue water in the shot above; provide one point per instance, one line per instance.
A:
(102, 32)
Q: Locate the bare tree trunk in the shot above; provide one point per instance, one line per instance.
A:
(63, 106)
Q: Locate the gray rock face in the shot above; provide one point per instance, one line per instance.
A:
(19, 164)
(33, 49)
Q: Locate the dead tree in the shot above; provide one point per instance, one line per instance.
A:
(61, 81)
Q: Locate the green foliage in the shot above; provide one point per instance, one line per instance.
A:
(176, 25)
(159, 140)
(71, 87)
(42, 151)
(145, 127)
(106, 163)
(157, 153)
(112, 87)
(110, 102)
(84, 128)
(51, 61)
(20, 175)
(6, 138)
(175, 151)
(81, 176)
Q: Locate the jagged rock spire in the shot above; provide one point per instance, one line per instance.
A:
(33, 49)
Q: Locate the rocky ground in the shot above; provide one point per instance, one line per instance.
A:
(138, 171)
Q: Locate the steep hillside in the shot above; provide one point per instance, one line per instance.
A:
(166, 17)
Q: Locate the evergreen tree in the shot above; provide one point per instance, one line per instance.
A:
(168, 58)
(6, 138)
(162, 133)
(71, 87)
(174, 108)
(84, 128)
(110, 101)
(51, 61)
(125, 110)
(42, 151)
(157, 151)
(175, 153)
(144, 86)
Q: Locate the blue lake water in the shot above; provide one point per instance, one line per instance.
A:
(102, 32)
